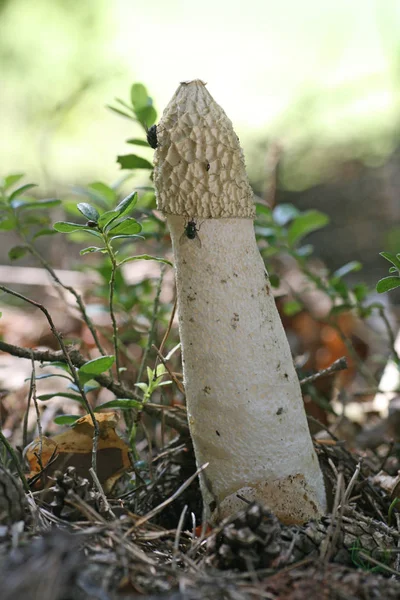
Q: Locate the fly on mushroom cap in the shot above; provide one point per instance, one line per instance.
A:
(193, 132)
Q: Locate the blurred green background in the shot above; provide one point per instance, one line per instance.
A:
(312, 74)
(314, 85)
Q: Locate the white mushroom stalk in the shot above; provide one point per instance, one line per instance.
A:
(244, 402)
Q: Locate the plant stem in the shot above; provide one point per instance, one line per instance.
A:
(152, 326)
(111, 304)
(392, 339)
(14, 457)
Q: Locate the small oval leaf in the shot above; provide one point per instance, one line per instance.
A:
(127, 226)
(387, 283)
(10, 180)
(309, 221)
(66, 419)
(17, 252)
(123, 404)
(47, 203)
(21, 190)
(97, 365)
(88, 211)
(65, 227)
(139, 96)
(132, 161)
(137, 142)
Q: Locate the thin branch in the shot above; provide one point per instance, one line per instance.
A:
(339, 365)
(174, 417)
(67, 359)
(392, 338)
(152, 327)
(111, 305)
(15, 460)
(68, 288)
(178, 384)
(35, 402)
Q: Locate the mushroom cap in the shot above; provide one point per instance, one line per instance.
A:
(199, 164)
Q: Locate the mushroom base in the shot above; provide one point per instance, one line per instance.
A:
(289, 498)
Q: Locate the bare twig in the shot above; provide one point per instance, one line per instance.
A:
(178, 532)
(168, 501)
(15, 460)
(68, 288)
(38, 421)
(378, 563)
(339, 365)
(329, 543)
(99, 488)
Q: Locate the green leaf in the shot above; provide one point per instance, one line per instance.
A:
(127, 237)
(46, 203)
(48, 375)
(91, 249)
(139, 96)
(127, 226)
(274, 280)
(387, 283)
(132, 161)
(17, 252)
(19, 191)
(59, 365)
(126, 204)
(97, 365)
(8, 224)
(103, 192)
(350, 267)
(147, 116)
(123, 403)
(337, 310)
(106, 218)
(43, 232)
(305, 223)
(142, 386)
(45, 397)
(88, 211)
(393, 258)
(65, 227)
(283, 213)
(360, 291)
(121, 112)
(292, 308)
(66, 419)
(10, 180)
(340, 287)
(137, 142)
(145, 257)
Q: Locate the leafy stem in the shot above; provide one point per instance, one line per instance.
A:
(114, 265)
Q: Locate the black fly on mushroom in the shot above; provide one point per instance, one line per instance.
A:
(151, 134)
(190, 232)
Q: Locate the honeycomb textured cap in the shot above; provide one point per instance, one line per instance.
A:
(199, 164)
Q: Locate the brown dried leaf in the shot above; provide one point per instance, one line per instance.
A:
(74, 447)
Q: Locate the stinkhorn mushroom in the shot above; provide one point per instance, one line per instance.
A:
(244, 403)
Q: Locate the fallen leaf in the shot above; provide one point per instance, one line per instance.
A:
(74, 447)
